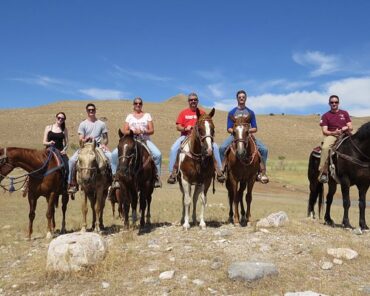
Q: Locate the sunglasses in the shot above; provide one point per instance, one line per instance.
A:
(241, 97)
(60, 118)
(193, 100)
(139, 104)
(91, 110)
(333, 103)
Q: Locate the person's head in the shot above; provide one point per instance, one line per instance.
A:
(91, 110)
(60, 118)
(334, 102)
(193, 100)
(241, 96)
(138, 104)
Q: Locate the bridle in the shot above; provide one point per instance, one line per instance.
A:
(201, 139)
(131, 159)
(244, 157)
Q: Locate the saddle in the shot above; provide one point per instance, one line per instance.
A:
(184, 142)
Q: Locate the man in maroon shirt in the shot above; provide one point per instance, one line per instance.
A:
(333, 123)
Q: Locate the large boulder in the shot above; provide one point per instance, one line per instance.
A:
(274, 220)
(345, 253)
(75, 251)
(251, 271)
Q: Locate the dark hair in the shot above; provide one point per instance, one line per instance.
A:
(333, 96)
(63, 125)
(192, 94)
(90, 105)
(137, 98)
(241, 92)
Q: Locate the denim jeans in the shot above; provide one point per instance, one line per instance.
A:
(260, 146)
(73, 159)
(176, 146)
(154, 151)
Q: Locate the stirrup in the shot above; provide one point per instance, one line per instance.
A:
(171, 179)
(72, 189)
(220, 177)
(323, 178)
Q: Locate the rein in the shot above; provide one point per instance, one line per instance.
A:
(350, 158)
(235, 141)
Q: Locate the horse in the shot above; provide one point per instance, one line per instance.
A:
(242, 165)
(350, 160)
(94, 177)
(136, 174)
(45, 178)
(196, 167)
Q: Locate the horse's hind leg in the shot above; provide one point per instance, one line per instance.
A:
(346, 203)
(230, 196)
(65, 199)
(329, 200)
(142, 208)
(196, 193)
(148, 216)
(248, 199)
(203, 197)
(243, 220)
(187, 201)
(362, 206)
(50, 215)
(32, 200)
(84, 213)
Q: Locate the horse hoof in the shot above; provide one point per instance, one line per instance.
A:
(49, 235)
(330, 223)
(83, 229)
(186, 226)
(202, 226)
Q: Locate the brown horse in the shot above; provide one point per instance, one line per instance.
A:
(94, 178)
(45, 179)
(136, 174)
(196, 166)
(242, 164)
(351, 161)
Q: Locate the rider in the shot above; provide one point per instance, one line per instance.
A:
(184, 124)
(333, 123)
(243, 110)
(142, 126)
(90, 129)
(56, 135)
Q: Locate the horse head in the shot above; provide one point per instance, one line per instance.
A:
(5, 165)
(127, 154)
(87, 164)
(241, 133)
(205, 131)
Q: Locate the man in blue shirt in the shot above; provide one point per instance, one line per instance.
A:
(242, 110)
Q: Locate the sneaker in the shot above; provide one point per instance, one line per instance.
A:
(220, 177)
(157, 183)
(72, 189)
(262, 178)
(323, 178)
(171, 179)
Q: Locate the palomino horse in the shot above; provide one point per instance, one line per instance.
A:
(196, 166)
(242, 164)
(351, 159)
(136, 175)
(45, 179)
(94, 177)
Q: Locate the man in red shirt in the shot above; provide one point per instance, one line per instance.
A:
(184, 124)
(333, 123)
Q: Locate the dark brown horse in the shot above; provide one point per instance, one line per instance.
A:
(196, 166)
(242, 164)
(352, 167)
(94, 177)
(136, 174)
(45, 179)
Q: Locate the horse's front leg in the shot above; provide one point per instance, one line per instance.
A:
(362, 206)
(236, 200)
(203, 197)
(187, 200)
(142, 208)
(84, 210)
(329, 200)
(242, 186)
(248, 199)
(230, 196)
(32, 200)
(148, 216)
(134, 200)
(346, 203)
(99, 208)
(65, 199)
(196, 193)
(50, 215)
(93, 201)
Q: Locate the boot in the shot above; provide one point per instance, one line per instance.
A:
(262, 177)
(157, 182)
(324, 176)
(172, 177)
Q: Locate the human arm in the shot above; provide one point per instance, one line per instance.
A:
(326, 132)
(65, 142)
(45, 139)
(182, 128)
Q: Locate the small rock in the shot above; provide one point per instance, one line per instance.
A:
(251, 271)
(150, 281)
(274, 220)
(6, 227)
(184, 277)
(357, 231)
(337, 261)
(167, 275)
(305, 293)
(14, 286)
(172, 259)
(264, 230)
(225, 232)
(169, 249)
(198, 282)
(105, 285)
(326, 265)
(212, 291)
(366, 290)
(345, 253)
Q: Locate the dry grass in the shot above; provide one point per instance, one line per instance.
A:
(134, 261)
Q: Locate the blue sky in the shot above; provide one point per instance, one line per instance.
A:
(288, 55)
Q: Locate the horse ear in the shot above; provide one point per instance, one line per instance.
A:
(212, 112)
(198, 113)
(248, 118)
(131, 133)
(94, 143)
(82, 144)
(120, 134)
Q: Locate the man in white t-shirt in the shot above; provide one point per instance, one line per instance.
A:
(90, 128)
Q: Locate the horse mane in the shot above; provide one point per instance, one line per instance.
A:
(363, 132)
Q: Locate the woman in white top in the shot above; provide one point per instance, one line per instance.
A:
(141, 124)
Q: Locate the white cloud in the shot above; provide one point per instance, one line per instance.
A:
(212, 75)
(103, 93)
(354, 94)
(321, 63)
(42, 80)
(217, 90)
(141, 75)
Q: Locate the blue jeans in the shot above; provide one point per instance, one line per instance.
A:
(260, 146)
(73, 159)
(176, 146)
(154, 151)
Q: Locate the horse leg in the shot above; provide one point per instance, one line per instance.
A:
(50, 215)
(65, 199)
(362, 206)
(99, 207)
(329, 200)
(134, 200)
(236, 201)
(244, 219)
(84, 213)
(203, 197)
(196, 193)
(93, 202)
(187, 201)
(32, 200)
(345, 184)
(148, 216)
(314, 189)
(248, 198)
(142, 207)
(230, 196)
(125, 205)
